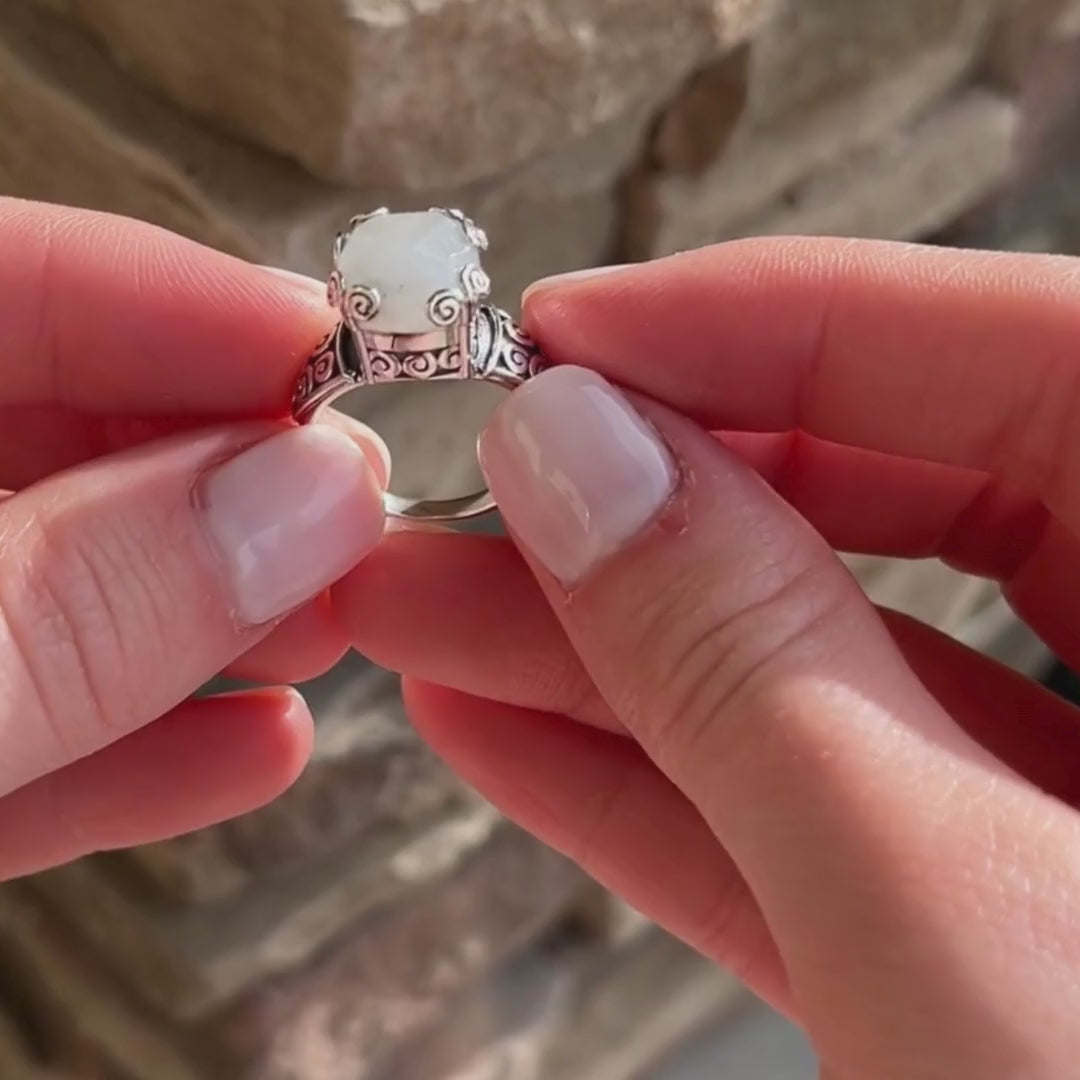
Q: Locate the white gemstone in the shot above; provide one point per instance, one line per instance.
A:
(408, 258)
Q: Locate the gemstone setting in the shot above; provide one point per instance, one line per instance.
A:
(410, 273)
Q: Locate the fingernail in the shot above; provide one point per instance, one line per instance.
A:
(305, 282)
(573, 276)
(575, 469)
(289, 517)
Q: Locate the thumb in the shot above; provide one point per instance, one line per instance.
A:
(127, 582)
(736, 648)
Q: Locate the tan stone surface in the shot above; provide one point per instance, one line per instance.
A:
(667, 988)
(377, 990)
(186, 959)
(421, 95)
(369, 776)
(1024, 31)
(56, 149)
(81, 1017)
(819, 51)
(386, 980)
(603, 916)
(696, 126)
(345, 1014)
(402, 1003)
(926, 589)
(77, 131)
(195, 868)
(574, 1009)
(825, 80)
(915, 182)
(16, 1060)
(968, 608)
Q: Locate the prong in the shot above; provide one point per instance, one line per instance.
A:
(359, 219)
(477, 236)
(476, 283)
(334, 288)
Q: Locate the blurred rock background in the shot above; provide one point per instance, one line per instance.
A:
(379, 922)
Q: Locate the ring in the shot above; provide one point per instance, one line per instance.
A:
(410, 291)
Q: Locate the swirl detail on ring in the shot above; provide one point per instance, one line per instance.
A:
(362, 303)
(476, 283)
(335, 286)
(444, 307)
(321, 367)
(429, 364)
(520, 354)
(503, 351)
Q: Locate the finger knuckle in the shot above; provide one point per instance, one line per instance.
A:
(71, 615)
(723, 663)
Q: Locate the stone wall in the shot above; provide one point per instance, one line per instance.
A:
(380, 922)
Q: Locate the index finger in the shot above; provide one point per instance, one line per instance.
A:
(107, 315)
(964, 358)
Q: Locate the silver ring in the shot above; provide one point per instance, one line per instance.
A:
(411, 294)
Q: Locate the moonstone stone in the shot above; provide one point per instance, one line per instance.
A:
(408, 258)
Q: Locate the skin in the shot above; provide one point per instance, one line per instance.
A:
(132, 361)
(874, 827)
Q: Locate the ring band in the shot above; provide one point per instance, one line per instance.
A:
(410, 291)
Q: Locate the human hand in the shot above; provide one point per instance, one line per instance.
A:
(680, 686)
(156, 528)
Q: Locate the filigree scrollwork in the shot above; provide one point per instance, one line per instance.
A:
(324, 366)
(475, 338)
(388, 366)
(334, 287)
(476, 283)
(362, 303)
(519, 355)
(444, 307)
(503, 352)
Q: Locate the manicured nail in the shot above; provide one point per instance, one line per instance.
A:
(289, 517)
(572, 276)
(575, 469)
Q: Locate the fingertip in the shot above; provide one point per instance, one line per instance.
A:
(556, 283)
(370, 442)
(570, 316)
(279, 734)
(308, 285)
(548, 307)
(306, 645)
(296, 734)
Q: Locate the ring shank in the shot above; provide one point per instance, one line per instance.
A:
(507, 357)
(458, 509)
(407, 507)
